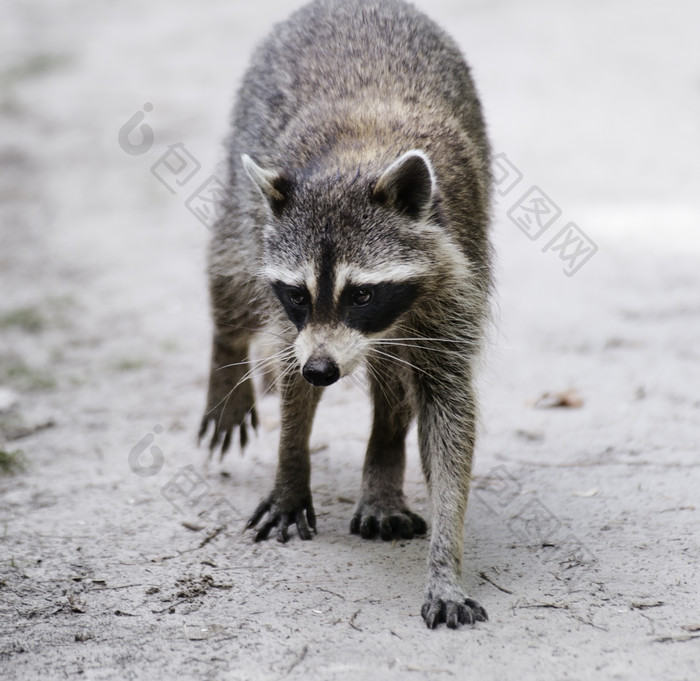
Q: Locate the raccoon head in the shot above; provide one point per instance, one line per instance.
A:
(345, 255)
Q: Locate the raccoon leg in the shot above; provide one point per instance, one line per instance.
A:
(446, 432)
(230, 398)
(382, 507)
(290, 499)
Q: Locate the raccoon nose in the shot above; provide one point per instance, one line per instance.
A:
(321, 371)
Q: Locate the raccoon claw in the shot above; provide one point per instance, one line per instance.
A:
(223, 431)
(303, 517)
(452, 613)
(400, 525)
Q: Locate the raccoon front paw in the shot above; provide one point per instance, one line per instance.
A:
(389, 521)
(453, 613)
(227, 410)
(281, 514)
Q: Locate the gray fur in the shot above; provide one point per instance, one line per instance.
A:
(321, 186)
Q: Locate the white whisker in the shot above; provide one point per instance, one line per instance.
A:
(376, 375)
(391, 343)
(395, 358)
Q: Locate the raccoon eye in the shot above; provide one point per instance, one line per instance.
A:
(361, 297)
(299, 297)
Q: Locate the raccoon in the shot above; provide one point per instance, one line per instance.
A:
(353, 231)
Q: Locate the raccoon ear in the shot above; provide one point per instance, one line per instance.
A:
(273, 185)
(407, 185)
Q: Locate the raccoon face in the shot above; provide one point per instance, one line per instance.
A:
(345, 268)
(336, 327)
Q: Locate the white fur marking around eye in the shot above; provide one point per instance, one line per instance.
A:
(346, 273)
(304, 276)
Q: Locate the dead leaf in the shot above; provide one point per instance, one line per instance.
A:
(76, 603)
(192, 526)
(567, 399)
(691, 627)
(590, 493)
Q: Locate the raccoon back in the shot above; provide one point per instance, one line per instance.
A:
(347, 86)
(330, 52)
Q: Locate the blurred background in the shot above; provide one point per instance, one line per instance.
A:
(104, 333)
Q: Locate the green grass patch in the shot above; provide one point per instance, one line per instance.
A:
(16, 373)
(12, 462)
(28, 319)
(129, 364)
(39, 64)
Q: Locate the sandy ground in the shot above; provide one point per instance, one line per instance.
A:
(121, 552)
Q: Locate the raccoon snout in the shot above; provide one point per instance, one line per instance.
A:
(321, 371)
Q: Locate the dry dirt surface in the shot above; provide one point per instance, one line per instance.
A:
(122, 552)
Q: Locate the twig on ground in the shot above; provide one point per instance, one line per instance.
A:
(485, 577)
(351, 621)
(299, 659)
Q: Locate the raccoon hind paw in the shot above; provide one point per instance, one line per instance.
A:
(453, 613)
(398, 525)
